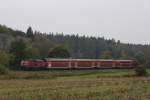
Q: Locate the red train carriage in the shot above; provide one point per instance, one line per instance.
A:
(79, 64)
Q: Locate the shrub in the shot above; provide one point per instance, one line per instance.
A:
(140, 71)
(3, 69)
(4, 58)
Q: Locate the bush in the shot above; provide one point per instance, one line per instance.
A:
(4, 58)
(3, 70)
(140, 71)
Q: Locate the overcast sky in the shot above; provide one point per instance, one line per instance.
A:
(125, 20)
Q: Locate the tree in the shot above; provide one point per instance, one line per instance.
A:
(3, 70)
(18, 48)
(118, 42)
(140, 71)
(29, 33)
(59, 52)
(4, 58)
(106, 55)
(124, 55)
(97, 49)
(43, 45)
(147, 57)
(31, 52)
(139, 56)
(76, 45)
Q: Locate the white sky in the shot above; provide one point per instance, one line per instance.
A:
(125, 20)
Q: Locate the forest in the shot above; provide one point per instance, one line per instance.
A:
(16, 45)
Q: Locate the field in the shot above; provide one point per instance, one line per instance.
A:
(74, 85)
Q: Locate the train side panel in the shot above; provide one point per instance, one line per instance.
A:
(60, 64)
(85, 64)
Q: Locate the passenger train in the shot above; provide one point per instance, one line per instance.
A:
(50, 63)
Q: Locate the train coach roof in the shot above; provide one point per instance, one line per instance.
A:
(54, 59)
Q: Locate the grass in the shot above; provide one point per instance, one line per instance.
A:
(65, 73)
(74, 85)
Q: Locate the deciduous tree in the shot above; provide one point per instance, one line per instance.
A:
(18, 48)
(59, 52)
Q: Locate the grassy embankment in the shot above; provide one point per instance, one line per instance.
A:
(74, 85)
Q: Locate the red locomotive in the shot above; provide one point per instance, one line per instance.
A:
(78, 64)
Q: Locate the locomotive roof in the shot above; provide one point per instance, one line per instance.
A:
(55, 59)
